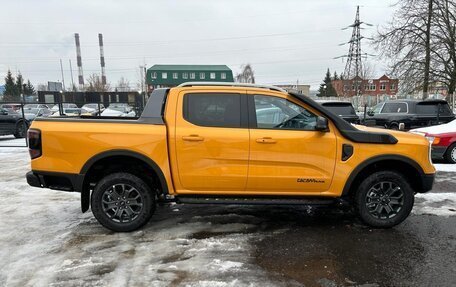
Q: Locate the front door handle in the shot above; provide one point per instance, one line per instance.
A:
(193, 138)
(266, 140)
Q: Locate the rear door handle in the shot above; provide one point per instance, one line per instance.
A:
(266, 140)
(193, 138)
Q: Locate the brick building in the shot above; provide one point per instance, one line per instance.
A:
(383, 86)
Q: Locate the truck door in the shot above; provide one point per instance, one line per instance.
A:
(212, 141)
(287, 154)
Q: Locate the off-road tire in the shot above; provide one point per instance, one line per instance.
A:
(100, 196)
(21, 130)
(366, 188)
(394, 126)
(450, 154)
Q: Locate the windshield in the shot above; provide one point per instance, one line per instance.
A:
(91, 106)
(341, 109)
(122, 109)
(30, 110)
(30, 106)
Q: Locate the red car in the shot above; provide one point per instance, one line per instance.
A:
(443, 138)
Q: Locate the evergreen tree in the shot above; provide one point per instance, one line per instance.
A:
(10, 86)
(19, 84)
(335, 77)
(29, 89)
(326, 89)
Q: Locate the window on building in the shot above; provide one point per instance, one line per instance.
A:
(392, 86)
(184, 75)
(164, 75)
(223, 76)
(202, 76)
(154, 75)
(213, 110)
(373, 87)
(366, 87)
(394, 108)
(279, 113)
(192, 75)
(212, 76)
(382, 86)
(174, 75)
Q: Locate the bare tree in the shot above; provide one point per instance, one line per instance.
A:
(123, 85)
(444, 50)
(42, 87)
(406, 42)
(94, 84)
(247, 75)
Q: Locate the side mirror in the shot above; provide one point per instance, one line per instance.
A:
(370, 113)
(322, 124)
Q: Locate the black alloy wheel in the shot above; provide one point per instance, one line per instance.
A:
(384, 199)
(123, 202)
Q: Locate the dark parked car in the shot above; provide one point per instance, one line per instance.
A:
(12, 123)
(344, 110)
(413, 113)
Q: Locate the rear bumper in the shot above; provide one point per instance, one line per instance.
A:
(55, 180)
(427, 180)
(437, 152)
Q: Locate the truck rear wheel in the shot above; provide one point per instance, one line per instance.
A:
(122, 202)
(384, 199)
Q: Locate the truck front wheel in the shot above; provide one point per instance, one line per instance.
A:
(122, 202)
(384, 199)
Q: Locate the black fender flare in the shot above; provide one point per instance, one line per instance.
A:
(85, 192)
(376, 159)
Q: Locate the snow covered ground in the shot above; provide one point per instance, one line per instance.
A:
(46, 241)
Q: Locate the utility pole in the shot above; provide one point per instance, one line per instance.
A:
(353, 73)
(63, 78)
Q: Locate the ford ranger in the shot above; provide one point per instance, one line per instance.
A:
(227, 143)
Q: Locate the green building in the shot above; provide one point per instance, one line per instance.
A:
(173, 75)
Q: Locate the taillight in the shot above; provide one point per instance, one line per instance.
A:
(34, 143)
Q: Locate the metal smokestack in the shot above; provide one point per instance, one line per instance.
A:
(79, 61)
(102, 60)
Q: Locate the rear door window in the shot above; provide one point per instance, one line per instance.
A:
(213, 109)
(431, 108)
(394, 108)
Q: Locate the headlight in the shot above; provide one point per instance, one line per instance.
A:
(433, 140)
(430, 139)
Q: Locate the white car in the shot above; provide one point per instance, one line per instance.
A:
(94, 108)
(55, 108)
(443, 140)
(118, 111)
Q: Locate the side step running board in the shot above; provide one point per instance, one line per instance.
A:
(254, 200)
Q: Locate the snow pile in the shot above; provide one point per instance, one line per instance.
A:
(47, 241)
(445, 167)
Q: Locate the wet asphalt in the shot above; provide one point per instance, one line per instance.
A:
(303, 246)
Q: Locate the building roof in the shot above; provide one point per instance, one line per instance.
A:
(190, 68)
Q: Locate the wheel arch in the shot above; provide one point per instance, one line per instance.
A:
(114, 155)
(402, 164)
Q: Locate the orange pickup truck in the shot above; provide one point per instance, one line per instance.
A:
(233, 144)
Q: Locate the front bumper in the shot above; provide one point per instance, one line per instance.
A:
(427, 180)
(437, 152)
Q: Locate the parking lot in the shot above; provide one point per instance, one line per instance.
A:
(47, 241)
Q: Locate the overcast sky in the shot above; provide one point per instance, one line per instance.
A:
(284, 40)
